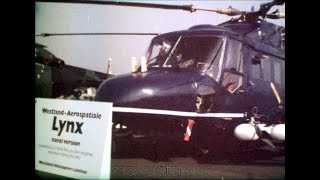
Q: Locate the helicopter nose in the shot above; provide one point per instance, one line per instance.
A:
(153, 89)
(116, 90)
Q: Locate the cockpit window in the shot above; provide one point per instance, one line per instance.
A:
(158, 54)
(232, 76)
(191, 52)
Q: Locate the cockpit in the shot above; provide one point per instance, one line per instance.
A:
(217, 56)
(203, 53)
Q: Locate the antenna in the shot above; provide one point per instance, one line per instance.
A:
(109, 71)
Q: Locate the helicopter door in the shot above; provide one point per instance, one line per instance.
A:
(233, 71)
(266, 81)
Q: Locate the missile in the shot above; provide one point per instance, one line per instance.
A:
(278, 132)
(250, 132)
(246, 132)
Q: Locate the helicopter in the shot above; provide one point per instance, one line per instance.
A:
(54, 78)
(207, 84)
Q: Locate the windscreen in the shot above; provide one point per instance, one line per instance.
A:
(193, 52)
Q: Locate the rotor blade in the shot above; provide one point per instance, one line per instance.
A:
(94, 34)
(228, 11)
(276, 15)
(117, 3)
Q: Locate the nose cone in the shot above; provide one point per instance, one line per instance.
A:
(161, 89)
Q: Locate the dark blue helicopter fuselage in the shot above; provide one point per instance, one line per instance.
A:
(177, 89)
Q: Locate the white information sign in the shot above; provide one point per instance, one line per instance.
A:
(73, 138)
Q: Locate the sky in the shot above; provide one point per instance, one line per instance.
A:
(93, 52)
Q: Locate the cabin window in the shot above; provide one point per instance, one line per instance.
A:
(256, 71)
(277, 72)
(266, 68)
(232, 76)
(283, 73)
(255, 66)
